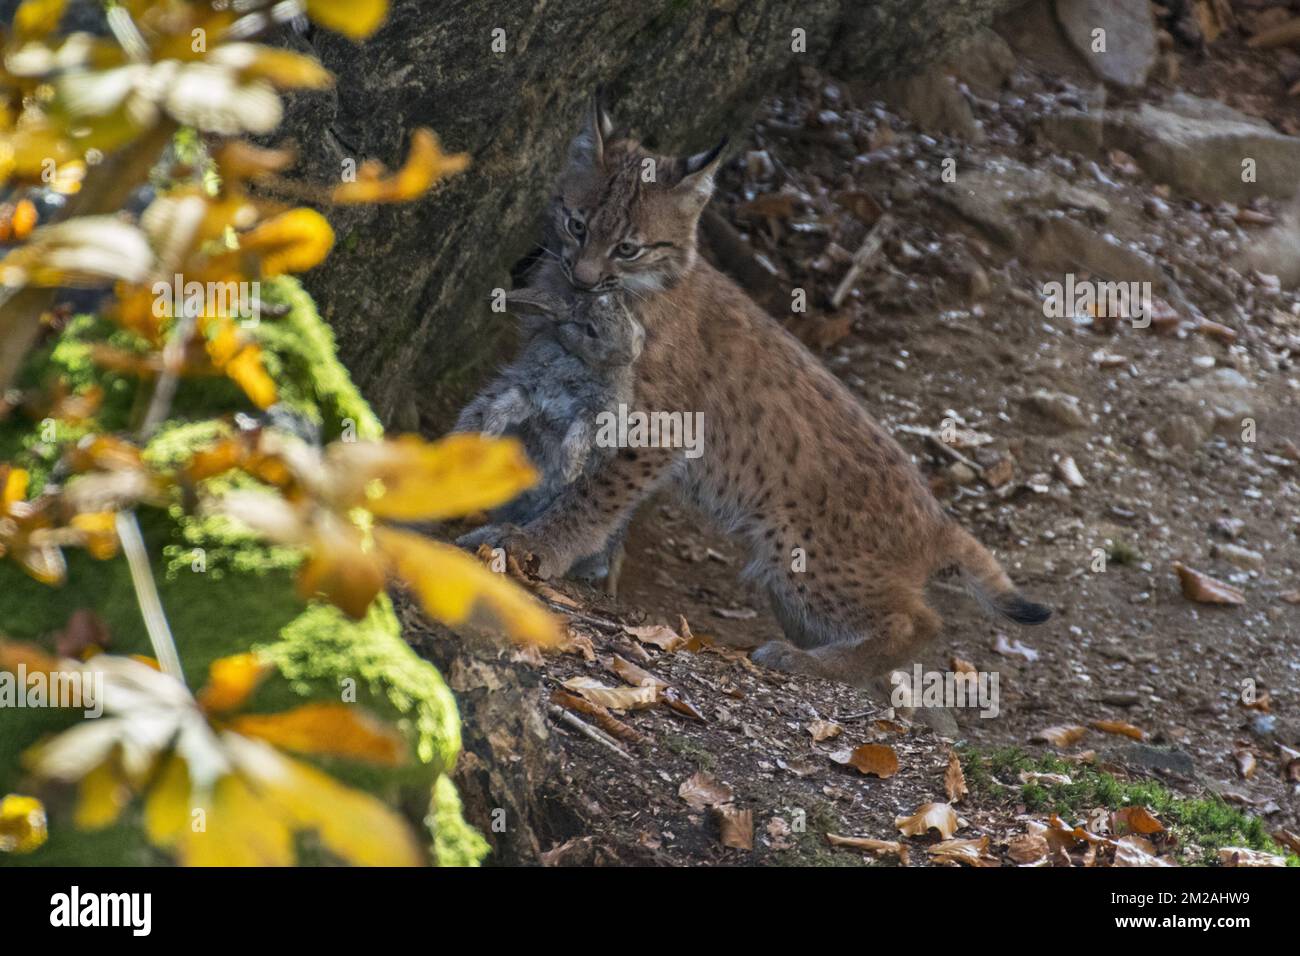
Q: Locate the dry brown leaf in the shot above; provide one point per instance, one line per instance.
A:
(578, 643)
(1288, 839)
(736, 827)
(702, 790)
(1062, 735)
(963, 666)
(1028, 850)
(1204, 589)
(604, 719)
(954, 780)
(1120, 728)
(1137, 819)
(1137, 851)
(878, 760)
(1244, 856)
(636, 676)
(871, 845)
(615, 698)
(823, 730)
(1050, 779)
(1246, 764)
(936, 816)
(658, 635)
(973, 852)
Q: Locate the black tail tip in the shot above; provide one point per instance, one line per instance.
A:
(1022, 611)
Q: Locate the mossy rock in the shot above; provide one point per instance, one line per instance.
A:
(225, 592)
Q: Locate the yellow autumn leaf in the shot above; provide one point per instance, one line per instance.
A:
(247, 371)
(98, 533)
(340, 568)
(355, 19)
(22, 824)
(101, 797)
(350, 823)
(336, 730)
(35, 19)
(241, 828)
(293, 241)
(454, 587)
(283, 68)
(14, 489)
(167, 806)
(231, 681)
(425, 165)
(409, 479)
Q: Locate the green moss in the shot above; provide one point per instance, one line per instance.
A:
(1206, 822)
(225, 591)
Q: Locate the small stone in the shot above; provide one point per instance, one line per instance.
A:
(1060, 407)
(1241, 557)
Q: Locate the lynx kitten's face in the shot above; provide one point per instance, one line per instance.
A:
(625, 218)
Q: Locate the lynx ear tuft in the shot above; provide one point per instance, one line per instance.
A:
(696, 186)
(587, 151)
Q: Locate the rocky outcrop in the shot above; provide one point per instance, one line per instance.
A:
(407, 288)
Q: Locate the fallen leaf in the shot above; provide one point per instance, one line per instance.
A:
(604, 719)
(963, 666)
(930, 816)
(1061, 736)
(1135, 818)
(636, 676)
(1120, 728)
(1244, 856)
(1050, 779)
(954, 780)
(657, 635)
(702, 790)
(736, 827)
(823, 730)
(1204, 589)
(1245, 763)
(971, 852)
(878, 760)
(1029, 849)
(615, 698)
(870, 845)
(1137, 851)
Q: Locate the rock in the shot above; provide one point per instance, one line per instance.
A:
(1152, 759)
(407, 287)
(1125, 51)
(932, 100)
(1219, 400)
(998, 197)
(1074, 130)
(1274, 252)
(961, 473)
(1243, 558)
(1061, 408)
(1182, 431)
(1229, 528)
(983, 61)
(1199, 146)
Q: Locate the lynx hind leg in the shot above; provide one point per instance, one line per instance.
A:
(510, 408)
(575, 449)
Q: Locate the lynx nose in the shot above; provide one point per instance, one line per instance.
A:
(586, 274)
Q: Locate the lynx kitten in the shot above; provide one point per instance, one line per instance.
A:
(841, 527)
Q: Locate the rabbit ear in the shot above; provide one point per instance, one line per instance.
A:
(534, 300)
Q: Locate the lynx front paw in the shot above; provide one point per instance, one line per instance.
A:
(783, 656)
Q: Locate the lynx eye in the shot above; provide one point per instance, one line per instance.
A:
(577, 227)
(627, 250)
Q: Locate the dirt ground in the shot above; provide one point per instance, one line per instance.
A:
(946, 325)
